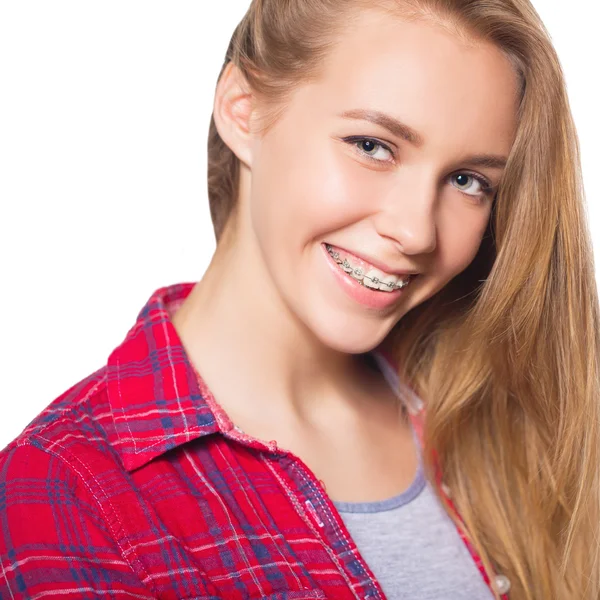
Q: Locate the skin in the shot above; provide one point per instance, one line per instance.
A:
(268, 327)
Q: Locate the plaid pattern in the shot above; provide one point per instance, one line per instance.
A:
(135, 484)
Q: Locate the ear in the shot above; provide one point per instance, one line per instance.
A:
(232, 111)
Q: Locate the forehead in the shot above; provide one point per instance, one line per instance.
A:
(448, 89)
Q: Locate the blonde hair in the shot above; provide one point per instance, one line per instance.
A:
(506, 355)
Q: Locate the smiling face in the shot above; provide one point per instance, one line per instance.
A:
(378, 159)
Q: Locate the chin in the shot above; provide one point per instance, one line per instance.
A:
(349, 335)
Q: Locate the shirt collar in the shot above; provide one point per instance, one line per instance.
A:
(157, 399)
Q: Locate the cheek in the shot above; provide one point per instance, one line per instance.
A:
(306, 191)
(337, 193)
(459, 237)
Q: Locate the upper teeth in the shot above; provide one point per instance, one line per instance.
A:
(373, 278)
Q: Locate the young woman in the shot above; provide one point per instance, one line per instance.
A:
(386, 383)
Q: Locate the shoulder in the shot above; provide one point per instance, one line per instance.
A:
(81, 413)
(57, 538)
(48, 465)
(56, 459)
(59, 535)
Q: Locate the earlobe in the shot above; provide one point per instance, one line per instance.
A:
(232, 111)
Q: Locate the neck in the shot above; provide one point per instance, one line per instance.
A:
(255, 354)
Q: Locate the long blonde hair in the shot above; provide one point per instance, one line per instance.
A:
(506, 356)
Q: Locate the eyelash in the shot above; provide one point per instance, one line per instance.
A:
(487, 188)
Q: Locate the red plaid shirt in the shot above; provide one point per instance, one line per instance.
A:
(135, 484)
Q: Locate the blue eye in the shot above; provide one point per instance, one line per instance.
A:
(368, 146)
(371, 148)
(467, 179)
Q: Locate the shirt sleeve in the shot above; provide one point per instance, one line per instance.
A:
(53, 539)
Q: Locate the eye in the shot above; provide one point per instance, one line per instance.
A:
(371, 148)
(478, 185)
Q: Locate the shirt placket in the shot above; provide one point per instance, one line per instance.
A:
(314, 505)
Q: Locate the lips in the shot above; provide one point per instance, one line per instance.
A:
(367, 296)
(369, 277)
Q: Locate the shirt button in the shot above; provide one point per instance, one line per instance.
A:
(446, 489)
(502, 584)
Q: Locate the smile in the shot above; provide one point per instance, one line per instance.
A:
(368, 277)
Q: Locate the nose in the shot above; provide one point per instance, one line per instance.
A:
(407, 216)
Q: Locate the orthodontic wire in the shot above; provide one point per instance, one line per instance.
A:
(345, 263)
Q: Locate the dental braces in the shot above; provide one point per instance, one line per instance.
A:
(359, 272)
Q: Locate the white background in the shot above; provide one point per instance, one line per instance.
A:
(104, 112)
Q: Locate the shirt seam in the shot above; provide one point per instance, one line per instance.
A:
(338, 528)
(302, 513)
(68, 456)
(36, 430)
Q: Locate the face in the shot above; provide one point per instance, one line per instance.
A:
(376, 161)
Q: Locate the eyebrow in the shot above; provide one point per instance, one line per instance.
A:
(408, 134)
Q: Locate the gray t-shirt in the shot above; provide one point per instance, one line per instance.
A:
(413, 548)
(411, 544)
